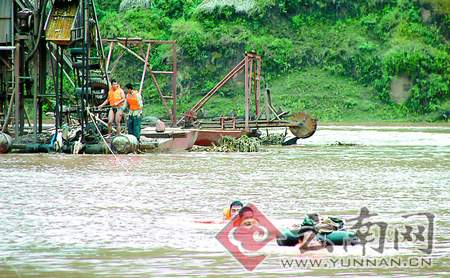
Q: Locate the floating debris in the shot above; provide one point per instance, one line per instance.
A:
(242, 144)
(343, 144)
(272, 139)
(230, 144)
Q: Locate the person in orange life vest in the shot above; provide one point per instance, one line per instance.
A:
(134, 104)
(116, 99)
(233, 210)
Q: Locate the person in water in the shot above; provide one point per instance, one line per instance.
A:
(233, 210)
(246, 218)
(308, 241)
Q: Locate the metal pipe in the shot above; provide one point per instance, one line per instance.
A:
(56, 85)
(258, 88)
(64, 71)
(250, 83)
(131, 52)
(116, 62)
(158, 90)
(37, 66)
(18, 117)
(31, 148)
(247, 97)
(174, 85)
(61, 89)
(138, 41)
(99, 40)
(256, 123)
(145, 68)
(85, 57)
(219, 85)
(155, 81)
(27, 118)
(108, 60)
(7, 48)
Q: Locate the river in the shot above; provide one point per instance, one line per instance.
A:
(93, 215)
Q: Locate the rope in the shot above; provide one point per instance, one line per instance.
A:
(106, 143)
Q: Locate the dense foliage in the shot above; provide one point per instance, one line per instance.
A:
(369, 42)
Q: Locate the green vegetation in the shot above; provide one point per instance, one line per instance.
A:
(335, 98)
(230, 144)
(334, 59)
(271, 138)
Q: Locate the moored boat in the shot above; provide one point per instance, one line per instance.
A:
(172, 139)
(208, 137)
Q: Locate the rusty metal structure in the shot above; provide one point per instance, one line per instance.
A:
(300, 124)
(52, 53)
(43, 38)
(251, 64)
(125, 45)
(23, 65)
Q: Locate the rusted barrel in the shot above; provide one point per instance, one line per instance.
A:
(124, 144)
(5, 143)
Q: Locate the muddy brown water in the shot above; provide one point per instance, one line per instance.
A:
(85, 216)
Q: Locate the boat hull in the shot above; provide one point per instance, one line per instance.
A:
(172, 139)
(208, 137)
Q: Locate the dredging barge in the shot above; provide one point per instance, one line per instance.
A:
(63, 37)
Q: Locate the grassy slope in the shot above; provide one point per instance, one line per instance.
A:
(334, 98)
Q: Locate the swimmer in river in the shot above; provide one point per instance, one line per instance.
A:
(308, 241)
(233, 210)
(247, 218)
